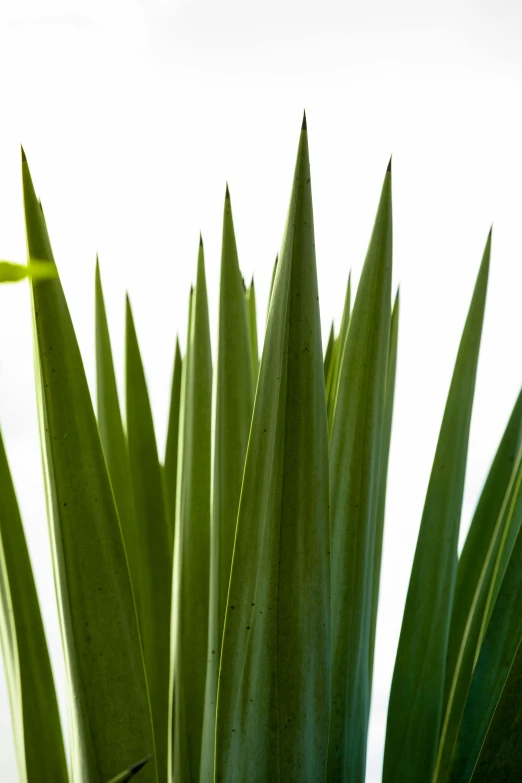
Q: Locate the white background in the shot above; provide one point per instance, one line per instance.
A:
(133, 114)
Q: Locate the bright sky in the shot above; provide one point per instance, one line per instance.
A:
(134, 113)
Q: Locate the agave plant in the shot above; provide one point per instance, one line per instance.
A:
(218, 607)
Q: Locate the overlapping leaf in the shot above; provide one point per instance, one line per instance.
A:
(355, 446)
(252, 325)
(474, 577)
(154, 541)
(233, 399)
(37, 732)
(113, 437)
(171, 449)
(110, 720)
(383, 476)
(417, 692)
(274, 682)
(192, 545)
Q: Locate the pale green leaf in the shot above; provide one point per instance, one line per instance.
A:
(34, 709)
(192, 545)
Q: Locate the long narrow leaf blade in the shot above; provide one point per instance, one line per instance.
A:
(338, 356)
(252, 324)
(192, 546)
(171, 449)
(328, 352)
(113, 436)
(498, 654)
(274, 687)
(417, 692)
(383, 476)
(474, 578)
(108, 698)
(233, 400)
(34, 708)
(355, 443)
(153, 537)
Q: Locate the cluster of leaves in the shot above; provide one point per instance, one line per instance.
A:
(218, 608)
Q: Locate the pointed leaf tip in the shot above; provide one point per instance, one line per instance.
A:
(200, 240)
(304, 126)
(227, 194)
(24, 158)
(388, 170)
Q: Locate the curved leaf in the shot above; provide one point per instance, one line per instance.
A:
(417, 692)
(109, 709)
(34, 708)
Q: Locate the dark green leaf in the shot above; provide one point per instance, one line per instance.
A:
(417, 692)
(274, 686)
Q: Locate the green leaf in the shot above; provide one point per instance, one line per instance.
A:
(355, 444)
(474, 575)
(383, 475)
(153, 536)
(113, 437)
(480, 534)
(34, 708)
(171, 449)
(338, 355)
(417, 692)
(274, 683)
(131, 772)
(498, 654)
(274, 270)
(252, 325)
(233, 400)
(192, 545)
(110, 719)
(12, 273)
(329, 351)
(500, 759)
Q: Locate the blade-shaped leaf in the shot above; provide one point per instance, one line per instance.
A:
(34, 708)
(500, 759)
(338, 355)
(328, 352)
(113, 436)
(355, 443)
(232, 403)
(417, 692)
(171, 449)
(474, 575)
(109, 709)
(252, 325)
(383, 476)
(274, 270)
(274, 682)
(153, 537)
(497, 656)
(192, 545)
